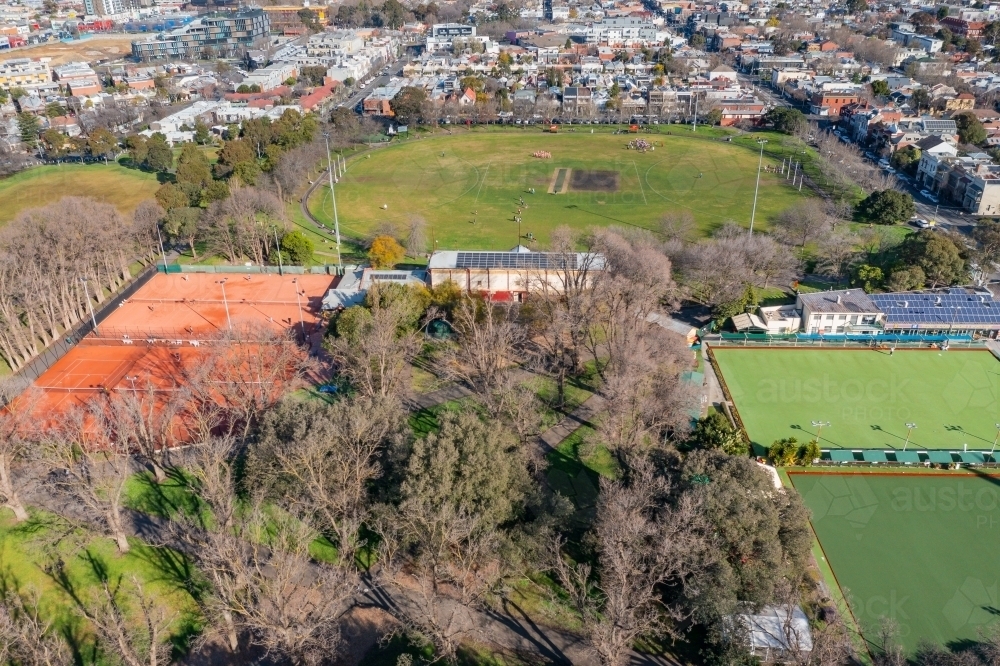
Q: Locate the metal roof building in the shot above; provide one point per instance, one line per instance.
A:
(955, 311)
(510, 274)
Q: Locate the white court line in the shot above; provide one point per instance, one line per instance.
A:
(485, 173)
(640, 183)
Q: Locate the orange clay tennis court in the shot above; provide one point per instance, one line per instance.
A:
(195, 304)
(166, 323)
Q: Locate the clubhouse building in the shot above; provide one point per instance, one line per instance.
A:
(951, 312)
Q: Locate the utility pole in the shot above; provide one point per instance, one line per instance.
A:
(695, 127)
(333, 197)
(756, 189)
(225, 302)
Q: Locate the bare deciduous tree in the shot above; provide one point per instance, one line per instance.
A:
(802, 223)
(488, 338)
(375, 353)
(243, 224)
(25, 638)
(91, 470)
(642, 543)
(16, 422)
(416, 236)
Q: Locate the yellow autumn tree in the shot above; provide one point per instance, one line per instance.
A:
(385, 252)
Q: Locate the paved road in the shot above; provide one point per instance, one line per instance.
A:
(395, 69)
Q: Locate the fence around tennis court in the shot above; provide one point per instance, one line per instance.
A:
(807, 340)
(325, 269)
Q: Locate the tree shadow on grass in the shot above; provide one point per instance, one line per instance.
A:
(164, 500)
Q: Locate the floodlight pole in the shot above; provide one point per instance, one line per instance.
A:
(909, 429)
(225, 302)
(995, 438)
(277, 247)
(333, 197)
(819, 428)
(86, 291)
(760, 163)
(302, 323)
(132, 381)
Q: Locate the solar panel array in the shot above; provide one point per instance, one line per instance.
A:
(390, 276)
(940, 126)
(538, 260)
(943, 309)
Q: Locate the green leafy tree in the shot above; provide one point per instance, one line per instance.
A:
(159, 155)
(907, 159)
(970, 130)
(713, 117)
(785, 119)
(298, 247)
(102, 143)
(886, 207)
(697, 41)
(234, 152)
(243, 89)
(715, 432)
(728, 309)
(193, 166)
(760, 535)
(247, 172)
(183, 224)
(171, 196)
(55, 142)
(314, 75)
(869, 277)
(408, 102)
(28, 127)
(54, 110)
(857, 6)
(920, 99)
(783, 452)
(938, 256)
(905, 279)
(880, 88)
(17, 92)
(138, 148)
(202, 135)
(217, 190)
(942, 12)
(807, 453)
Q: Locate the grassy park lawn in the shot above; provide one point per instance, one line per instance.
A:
(916, 548)
(867, 396)
(468, 186)
(25, 549)
(111, 183)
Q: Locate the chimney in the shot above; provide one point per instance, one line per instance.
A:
(838, 299)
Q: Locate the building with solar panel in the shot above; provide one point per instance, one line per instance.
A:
(954, 312)
(510, 275)
(957, 311)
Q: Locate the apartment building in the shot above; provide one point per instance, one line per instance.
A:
(444, 34)
(272, 76)
(226, 35)
(24, 73)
